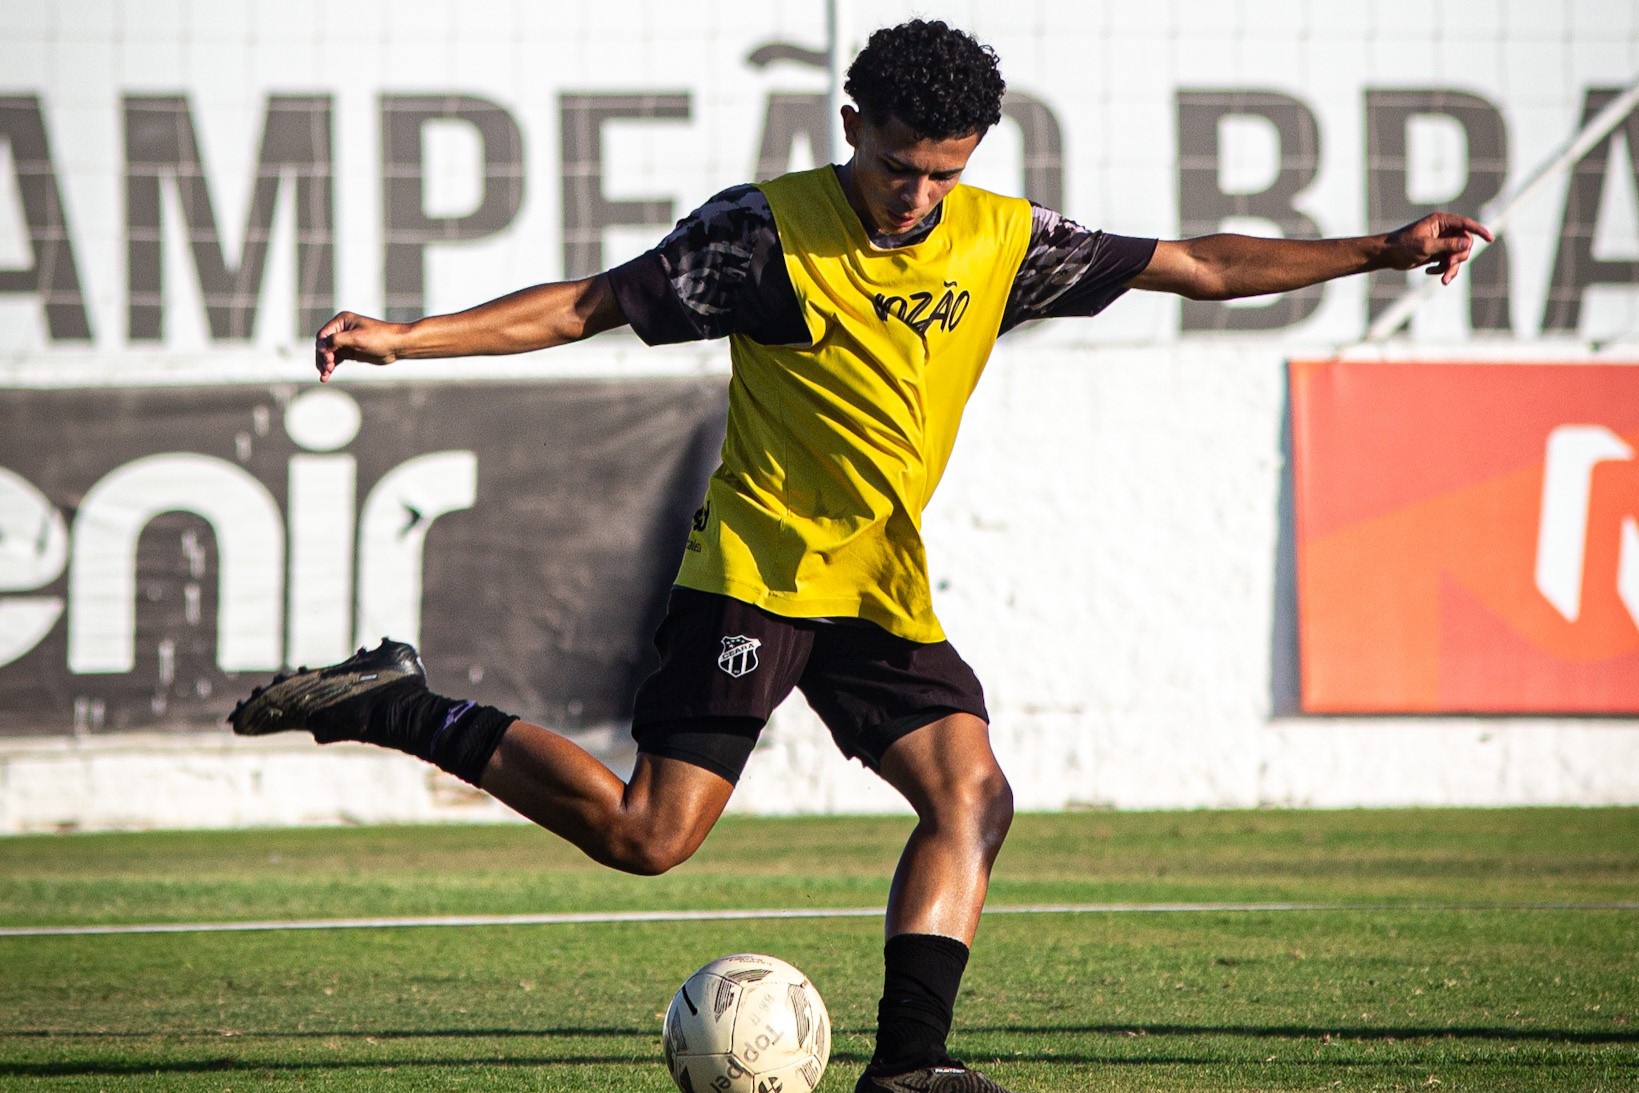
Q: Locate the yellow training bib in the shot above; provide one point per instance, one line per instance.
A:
(834, 449)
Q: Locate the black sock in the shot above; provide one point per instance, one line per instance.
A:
(454, 735)
(922, 975)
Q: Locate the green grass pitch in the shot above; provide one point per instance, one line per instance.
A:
(1476, 950)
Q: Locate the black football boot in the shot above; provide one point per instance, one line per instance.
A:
(949, 1076)
(334, 702)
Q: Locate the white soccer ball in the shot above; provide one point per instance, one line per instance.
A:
(747, 1024)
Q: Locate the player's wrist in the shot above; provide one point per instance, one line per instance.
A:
(422, 338)
(1381, 251)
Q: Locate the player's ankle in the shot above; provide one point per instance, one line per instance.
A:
(456, 735)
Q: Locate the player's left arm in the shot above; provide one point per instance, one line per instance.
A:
(1226, 267)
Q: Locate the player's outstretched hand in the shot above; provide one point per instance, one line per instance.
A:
(1440, 241)
(350, 337)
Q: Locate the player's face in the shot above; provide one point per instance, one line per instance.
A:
(896, 178)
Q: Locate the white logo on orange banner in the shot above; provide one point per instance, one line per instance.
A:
(1562, 533)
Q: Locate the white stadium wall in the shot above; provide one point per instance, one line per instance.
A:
(1113, 545)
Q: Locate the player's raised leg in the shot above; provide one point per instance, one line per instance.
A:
(380, 696)
(646, 825)
(964, 806)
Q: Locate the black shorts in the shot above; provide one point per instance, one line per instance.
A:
(725, 665)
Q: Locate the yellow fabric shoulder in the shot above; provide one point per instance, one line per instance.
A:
(834, 449)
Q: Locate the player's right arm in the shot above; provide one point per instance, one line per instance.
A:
(720, 271)
(539, 317)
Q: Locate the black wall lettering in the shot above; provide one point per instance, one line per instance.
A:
(1575, 268)
(54, 275)
(1203, 206)
(407, 229)
(587, 210)
(1042, 149)
(160, 142)
(1388, 172)
(788, 116)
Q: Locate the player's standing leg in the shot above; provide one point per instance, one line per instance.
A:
(964, 806)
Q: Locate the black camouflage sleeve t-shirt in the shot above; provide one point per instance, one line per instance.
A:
(721, 271)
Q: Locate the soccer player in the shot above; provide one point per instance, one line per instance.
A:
(861, 301)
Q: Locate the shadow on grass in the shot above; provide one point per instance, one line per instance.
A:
(228, 1063)
(229, 1033)
(1336, 1032)
(232, 1064)
(1272, 1032)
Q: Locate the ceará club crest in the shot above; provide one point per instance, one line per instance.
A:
(739, 655)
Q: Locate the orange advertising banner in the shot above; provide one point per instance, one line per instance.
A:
(1467, 537)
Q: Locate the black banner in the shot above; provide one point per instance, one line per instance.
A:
(164, 549)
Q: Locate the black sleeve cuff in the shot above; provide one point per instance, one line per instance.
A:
(1118, 259)
(649, 303)
(1130, 254)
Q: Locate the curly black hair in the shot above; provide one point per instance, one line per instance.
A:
(940, 81)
